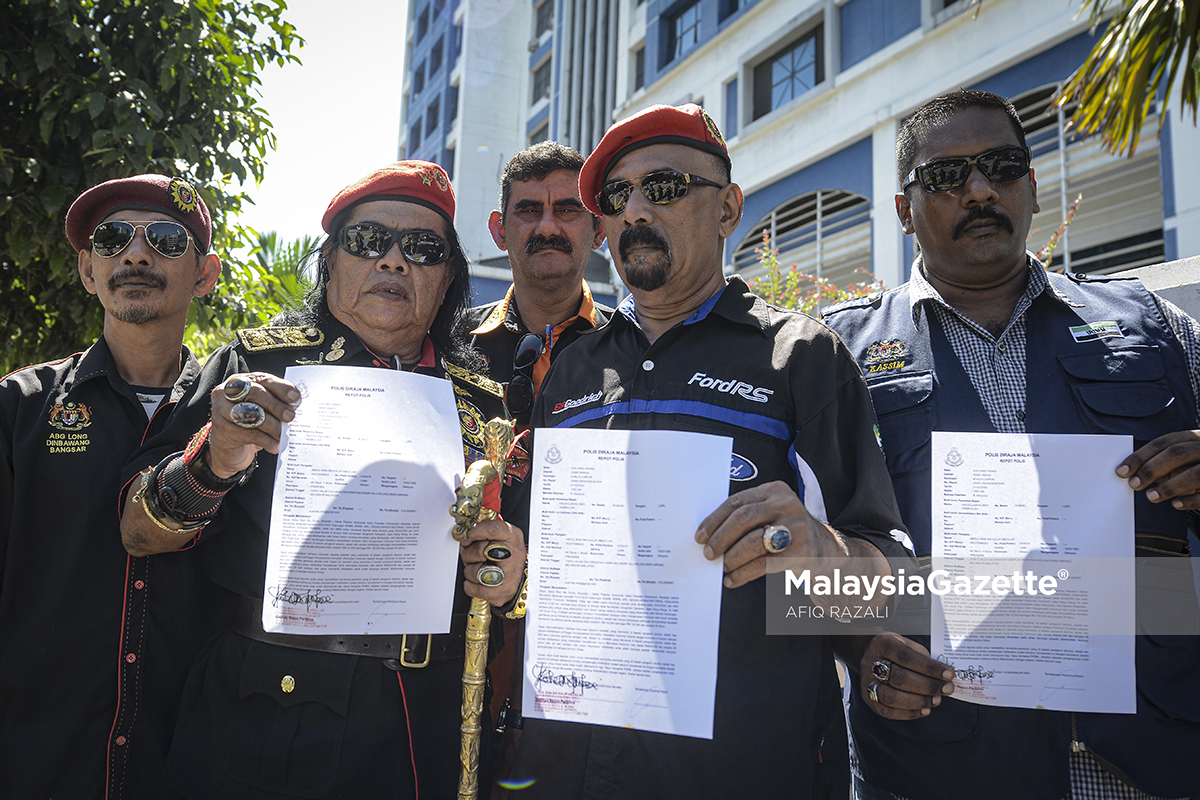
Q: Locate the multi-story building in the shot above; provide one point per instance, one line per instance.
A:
(809, 95)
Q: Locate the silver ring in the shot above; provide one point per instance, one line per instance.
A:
(776, 538)
(882, 669)
(497, 551)
(873, 691)
(247, 415)
(236, 389)
(490, 575)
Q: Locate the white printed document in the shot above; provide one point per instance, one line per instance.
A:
(360, 529)
(624, 608)
(1034, 537)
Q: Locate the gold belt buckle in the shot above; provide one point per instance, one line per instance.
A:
(404, 651)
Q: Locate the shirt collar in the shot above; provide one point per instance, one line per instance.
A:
(506, 311)
(734, 301)
(921, 291)
(98, 362)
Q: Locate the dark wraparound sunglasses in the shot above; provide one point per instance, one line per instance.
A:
(659, 188)
(947, 174)
(518, 395)
(169, 238)
(369, 240)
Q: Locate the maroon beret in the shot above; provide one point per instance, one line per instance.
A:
(688, 124)
(420, 182)
(174, 197)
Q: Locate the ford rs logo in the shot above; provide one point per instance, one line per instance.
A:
(742, 469)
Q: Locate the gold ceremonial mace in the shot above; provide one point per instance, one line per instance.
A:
(468, 509)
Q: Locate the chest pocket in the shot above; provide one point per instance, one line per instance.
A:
(905, 419)
(1124, 392)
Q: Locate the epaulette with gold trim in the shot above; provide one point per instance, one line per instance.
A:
(481, 381)
(257, 340)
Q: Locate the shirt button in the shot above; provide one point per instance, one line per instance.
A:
(130, 658)
(139, 584)
(1000, 347)
(120, 740)
(647, 365)
(1021, 416)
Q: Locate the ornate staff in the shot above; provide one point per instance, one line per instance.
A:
(469, 508)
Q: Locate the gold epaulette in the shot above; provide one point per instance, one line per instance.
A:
(257, 340)
(481, 381)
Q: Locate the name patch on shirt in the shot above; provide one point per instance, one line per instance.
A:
(70, 419)
(886, 354)
(1097, 330)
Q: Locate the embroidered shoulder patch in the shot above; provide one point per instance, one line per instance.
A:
(481, 381)
(257, 340)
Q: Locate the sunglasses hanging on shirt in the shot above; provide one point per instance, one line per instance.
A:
(518, 395)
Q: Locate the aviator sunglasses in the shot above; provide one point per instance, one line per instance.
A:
(947, 174)
(518, 395)
(169, 238)
(659, 188)
(370, 240)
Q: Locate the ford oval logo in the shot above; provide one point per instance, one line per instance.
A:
(742, 469)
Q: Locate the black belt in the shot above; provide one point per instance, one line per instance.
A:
(409, 650)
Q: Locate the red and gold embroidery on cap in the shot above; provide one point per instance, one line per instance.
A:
(183, 196)
(712, 127)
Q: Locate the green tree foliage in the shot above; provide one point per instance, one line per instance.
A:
(1146, 46)
(790, 288)
(255, 291)
(92, 90)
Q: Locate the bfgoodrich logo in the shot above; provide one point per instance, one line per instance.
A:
(579, 401)
(740, 388)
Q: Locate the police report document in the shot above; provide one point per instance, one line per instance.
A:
(1033, 572)
(360, 529)
(624, 608)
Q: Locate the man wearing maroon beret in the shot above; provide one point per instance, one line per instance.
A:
(807, 477)
(275, 715)
(94, 643)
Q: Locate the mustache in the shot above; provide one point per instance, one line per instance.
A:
(538, 242)
(981, 213)
(136, 275)
(638, 236)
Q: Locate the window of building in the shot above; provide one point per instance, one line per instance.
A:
(414, 137)
(541, 134)
(423, 24)
(790, 73)
(826, 233)
(541, 82)
(1119, 221)
(452, 106)
(431, 116)
(544, 18)
(639, 68)
(435, 57)
(683, 31)
(418, 82)
(730, 7)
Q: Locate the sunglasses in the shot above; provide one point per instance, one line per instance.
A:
(948, 174)
(369, 240)
(659, 188)
(518, 395)
(169, 238)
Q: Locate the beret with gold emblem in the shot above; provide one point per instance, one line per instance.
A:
(420, 182)
(174, 197)
(687, 124)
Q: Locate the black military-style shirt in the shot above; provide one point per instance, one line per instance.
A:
(786, 390)
(94, 643)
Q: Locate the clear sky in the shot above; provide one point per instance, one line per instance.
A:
(336, 115)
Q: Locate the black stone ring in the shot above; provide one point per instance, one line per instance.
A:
(497, 551)
(776, 538)
(882, 669)
(248, 415)
(490, 575)
(236, 389)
